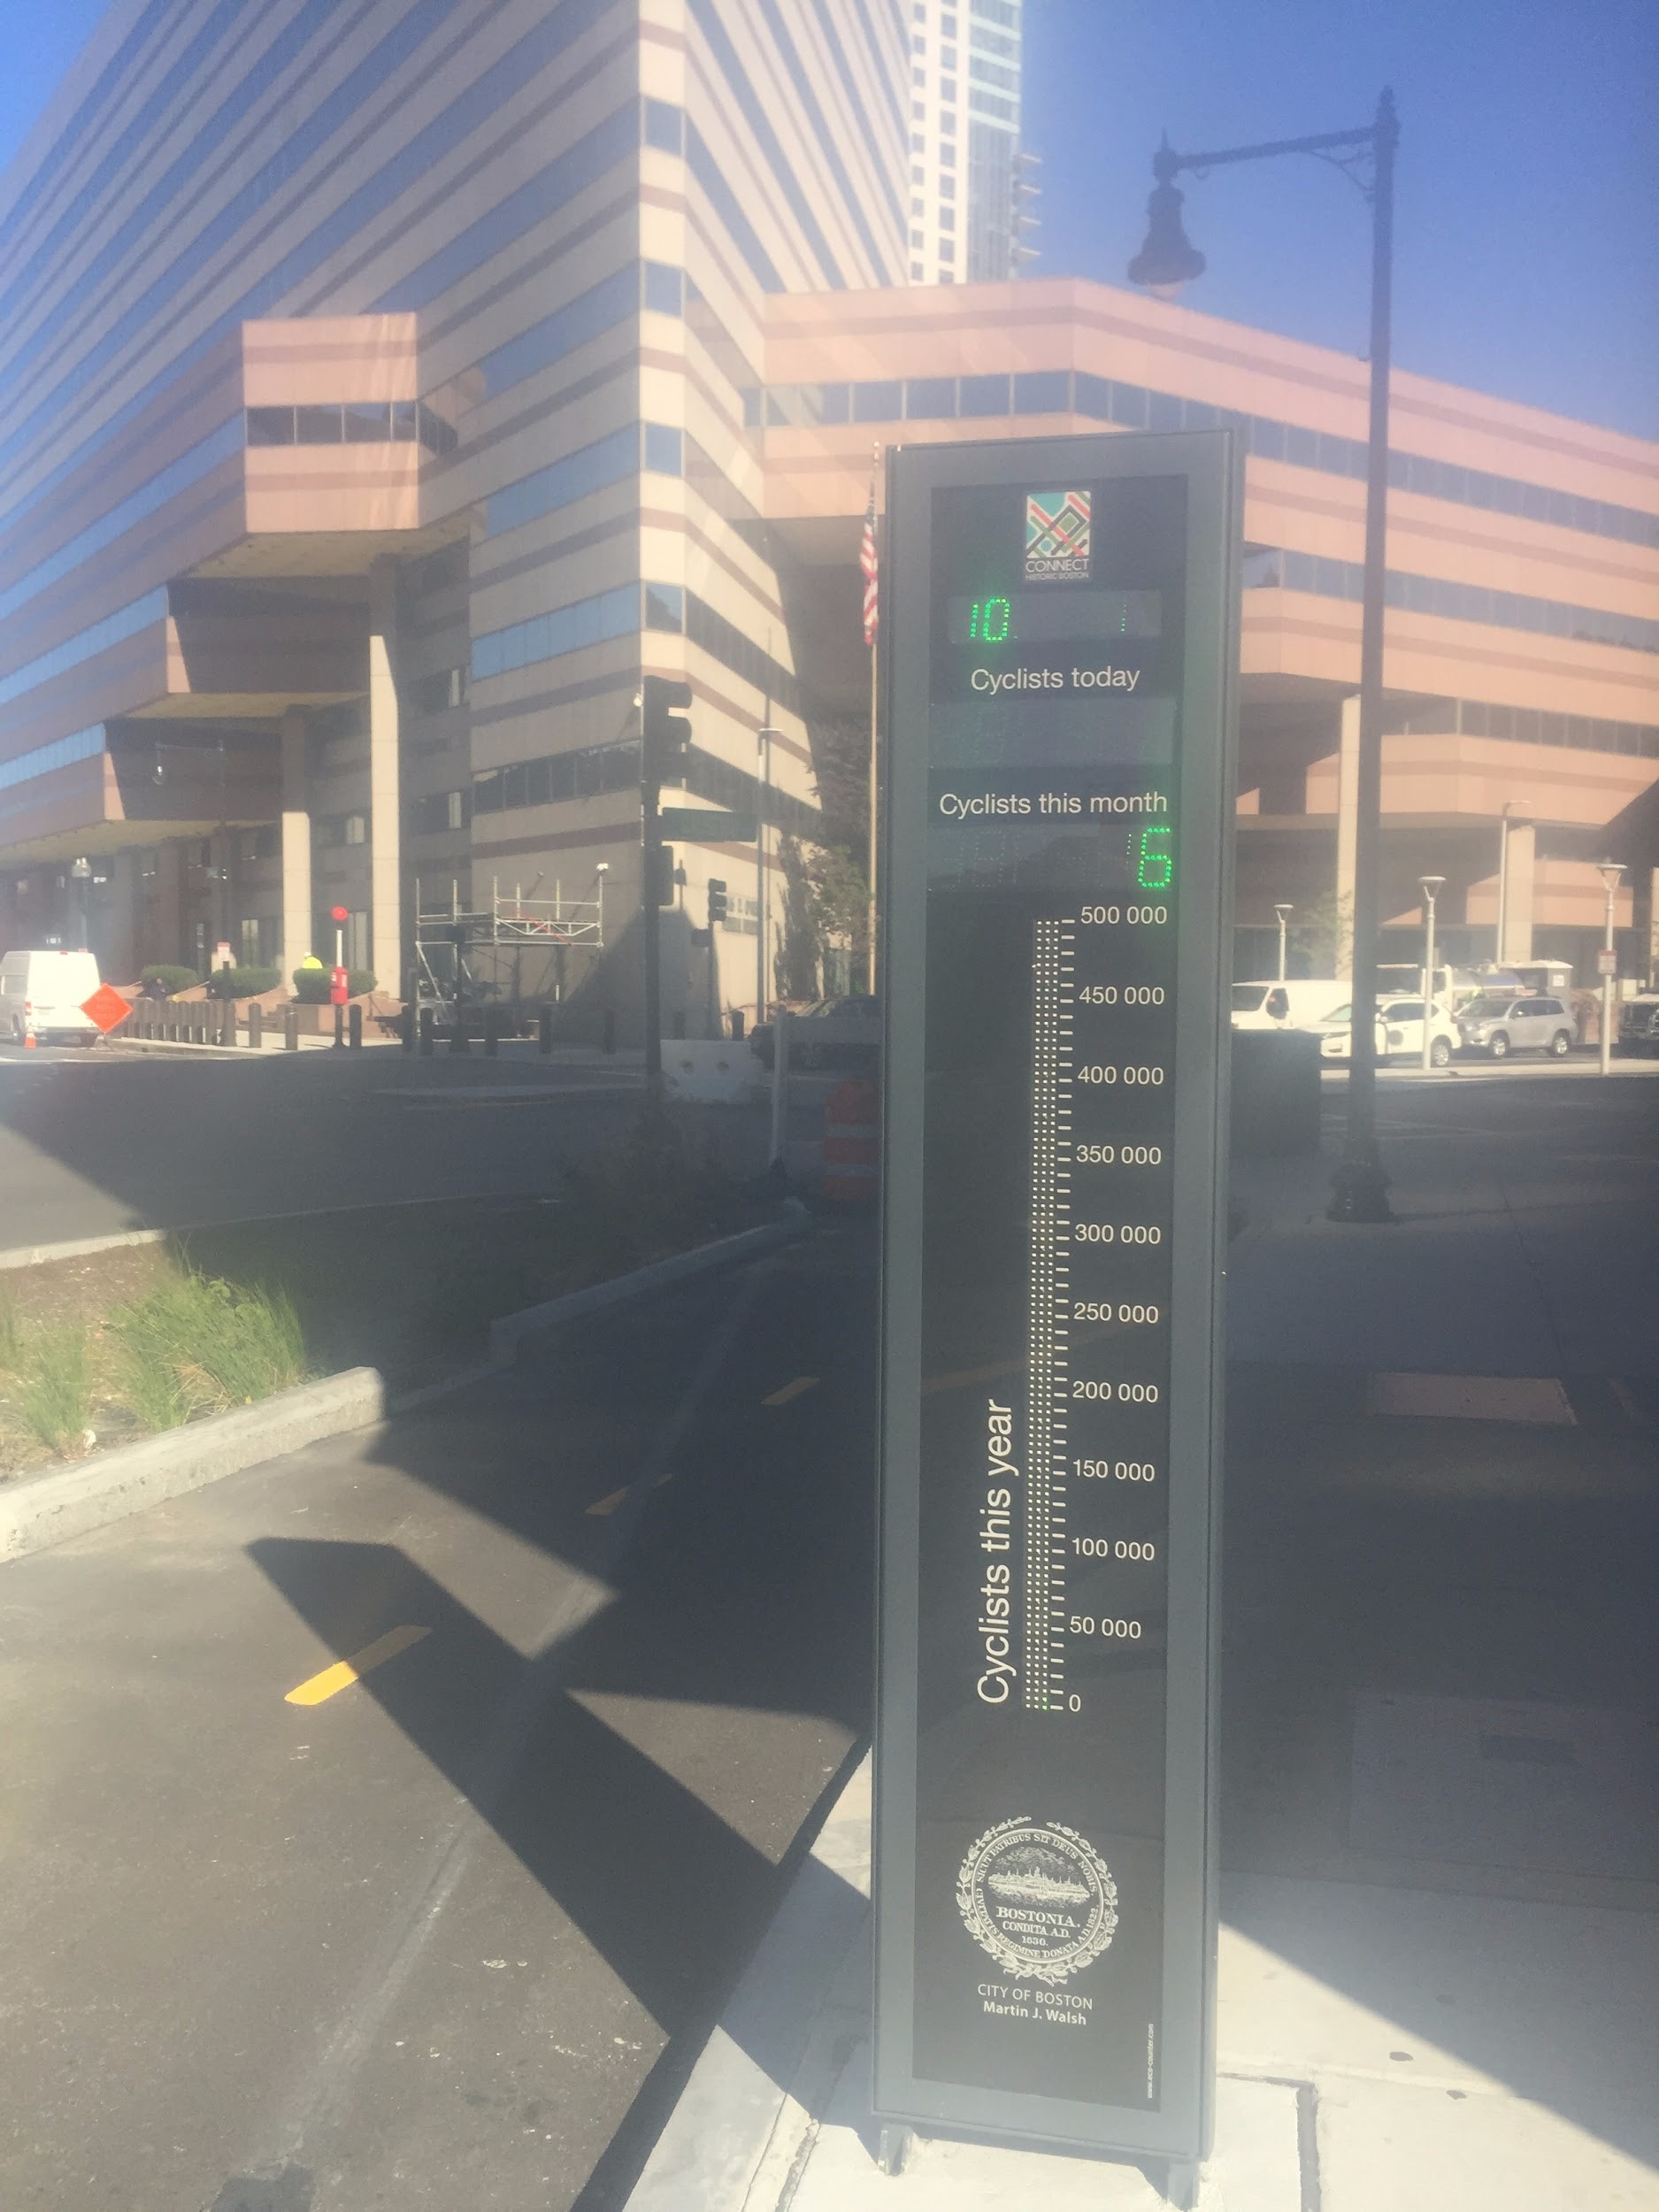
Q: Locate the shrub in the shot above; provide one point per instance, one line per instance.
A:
(10, 1339)
(54, 1393)
(243, 982)
(176, 978)
(311, 985)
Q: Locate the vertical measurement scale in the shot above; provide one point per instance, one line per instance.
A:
(1050, 1316)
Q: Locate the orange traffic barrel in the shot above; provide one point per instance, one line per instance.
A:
(852, 1126)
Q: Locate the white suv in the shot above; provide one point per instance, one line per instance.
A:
(1399, 1031)
(1498, 1024)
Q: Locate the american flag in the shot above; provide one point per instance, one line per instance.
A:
(867, 562)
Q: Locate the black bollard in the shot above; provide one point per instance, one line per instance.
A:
(544, 1031)
(458, 1036)
(290, 1028)
(354, 1027)
(737, 1025)
(406, 1028)
(425, 1025)
(340, 1029)
(492, 1035)
(256, 1026)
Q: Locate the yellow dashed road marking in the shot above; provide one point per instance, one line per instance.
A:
(604, 1506)
(792, 1390)
(340, 1676)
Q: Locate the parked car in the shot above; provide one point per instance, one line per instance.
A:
(1499, 1023)
(1301, 1002)
(42, 994)
(1399, 1031)
(1638, 1027)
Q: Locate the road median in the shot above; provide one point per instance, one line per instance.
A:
(40, 1510)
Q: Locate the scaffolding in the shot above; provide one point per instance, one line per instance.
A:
(513, 953)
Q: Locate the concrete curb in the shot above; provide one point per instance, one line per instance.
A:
(507, 1334)
(37, 1511)
(750, 2101)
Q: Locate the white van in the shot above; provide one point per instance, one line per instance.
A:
(1302, 1003)
(42, 994)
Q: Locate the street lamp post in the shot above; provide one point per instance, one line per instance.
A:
(1610, 872)
(1167, 260)
(762, 746)
(1504, 884)
(81, 875)
(1431, 885)
(1284, 914)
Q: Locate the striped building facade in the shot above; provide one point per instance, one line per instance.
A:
(387, 385)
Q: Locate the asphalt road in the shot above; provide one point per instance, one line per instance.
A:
(93, 1143)
(421, 1945)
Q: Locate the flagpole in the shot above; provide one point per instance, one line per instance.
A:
(872, 638)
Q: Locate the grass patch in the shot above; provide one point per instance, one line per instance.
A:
(171, 1332)
(200, 1344)
(54, 1389)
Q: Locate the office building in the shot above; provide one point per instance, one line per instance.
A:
(383, 391)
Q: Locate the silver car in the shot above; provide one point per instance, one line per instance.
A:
(1498, 1024)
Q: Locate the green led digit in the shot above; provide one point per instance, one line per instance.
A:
(1156, 869)
(997, 613)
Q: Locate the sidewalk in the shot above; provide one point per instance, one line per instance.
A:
(1439, 1969)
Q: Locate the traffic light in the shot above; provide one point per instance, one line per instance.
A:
(666, 732)
(717, 901)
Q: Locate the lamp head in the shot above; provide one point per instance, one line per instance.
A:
(1168, 259)
(1611, 871)
(1431, 884)
(1284, 911)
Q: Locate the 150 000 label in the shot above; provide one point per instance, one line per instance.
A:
(1117, 1470)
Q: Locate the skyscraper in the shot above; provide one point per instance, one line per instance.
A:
(969, 180)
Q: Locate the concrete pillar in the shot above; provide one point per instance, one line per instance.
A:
(1347, 834)
(1645, 905)
(1517, 897)
(296, 844)
(385, 923)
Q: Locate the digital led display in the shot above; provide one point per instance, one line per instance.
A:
(1051, 1247)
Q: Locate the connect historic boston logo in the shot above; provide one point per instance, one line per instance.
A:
(1057, 536)
(1041, 1900)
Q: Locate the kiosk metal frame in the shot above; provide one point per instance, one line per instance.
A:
(916, 1933)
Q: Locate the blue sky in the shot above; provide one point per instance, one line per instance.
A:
(1528, 246)
(1527, 227)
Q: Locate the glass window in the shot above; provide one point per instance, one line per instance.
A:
(1130, 405)
(270, 426)
(664, 288)
(930, 398)
(406, 422)
(1042, 392)
(947, 246)
(1164, 411)
(662, 449)
(436, 435)
(983, 395)
(835, 401)
(454, 810)
(664, 126)
(1197, 414)
(317, 425)
(561, 778)
(664, 607)
(878, 402)
(357, 829)
(1301, 447)
(1093, 396)
(368, 424)
(514, 785)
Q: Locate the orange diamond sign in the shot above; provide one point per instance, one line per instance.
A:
(106, 1007)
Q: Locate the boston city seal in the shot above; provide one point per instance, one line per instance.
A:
(1041, 1900)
